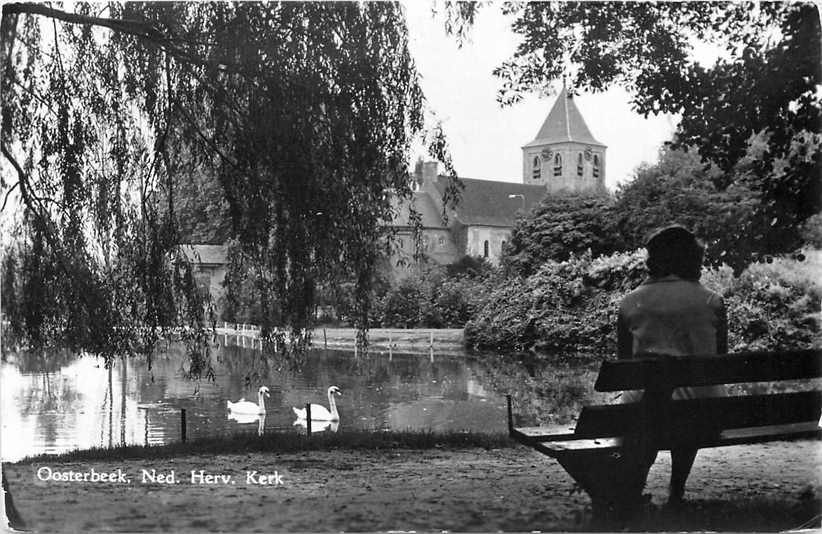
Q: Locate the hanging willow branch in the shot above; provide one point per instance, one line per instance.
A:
(296, 118)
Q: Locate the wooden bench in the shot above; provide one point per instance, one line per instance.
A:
(594, 452)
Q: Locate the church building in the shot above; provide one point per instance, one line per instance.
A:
(563, 157)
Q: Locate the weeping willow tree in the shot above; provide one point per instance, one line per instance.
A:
(305, 113)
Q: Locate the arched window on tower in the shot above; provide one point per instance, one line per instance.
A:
(485, 250)
(536, 171)
(596, 166)
(579, 165)
(557, 165)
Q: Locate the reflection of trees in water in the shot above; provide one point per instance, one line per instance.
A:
(375, 382)
(41, 361)
(409, 376)
(543, 391)
(248, 367)
(49, 392)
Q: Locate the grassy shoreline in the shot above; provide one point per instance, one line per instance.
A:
(284, 443)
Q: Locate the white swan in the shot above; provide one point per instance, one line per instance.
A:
(244, 406)
(320, 412)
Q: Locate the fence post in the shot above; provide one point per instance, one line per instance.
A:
(183, 424)
(308, 419)
(510, 416)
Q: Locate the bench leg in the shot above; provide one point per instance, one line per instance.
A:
(613, 480)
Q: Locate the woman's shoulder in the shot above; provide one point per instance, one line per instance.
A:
(671, 287)
(713, 297)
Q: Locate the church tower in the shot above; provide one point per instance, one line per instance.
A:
(564, 156)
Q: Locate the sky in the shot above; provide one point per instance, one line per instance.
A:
(486, 139)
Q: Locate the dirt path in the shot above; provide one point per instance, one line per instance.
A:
(763, 487)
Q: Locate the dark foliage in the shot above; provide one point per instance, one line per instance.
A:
(126, 126)
(562, 225)
(680, 189)
(469, 266)
(765, 83)
(570, 307)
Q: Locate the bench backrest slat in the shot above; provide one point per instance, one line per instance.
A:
(687, 416)
(676, 371)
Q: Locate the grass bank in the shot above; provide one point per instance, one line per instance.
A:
(349, 440)
(413, 340)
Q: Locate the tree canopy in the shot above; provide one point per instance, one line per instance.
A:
(680, 188)
(304, 113)
(766, 82)
(562, 225)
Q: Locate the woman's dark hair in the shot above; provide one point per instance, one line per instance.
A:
(674, 250)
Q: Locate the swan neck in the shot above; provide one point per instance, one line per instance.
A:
(261, 402)
(331, 403)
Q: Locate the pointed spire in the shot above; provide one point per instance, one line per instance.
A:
(564, 123)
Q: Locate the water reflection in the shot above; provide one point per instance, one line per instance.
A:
(544, 392)
(56, 402)
(318, 426)
(247, 418)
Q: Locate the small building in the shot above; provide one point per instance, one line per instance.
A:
(210, 264)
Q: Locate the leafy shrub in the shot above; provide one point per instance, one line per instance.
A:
(432, 299)
(811, 231)
(622, 271)
(567, 306)
(571, 307)
(776, 305)
(470, 266)
(561, 226)
(403, 306)
(454, 302)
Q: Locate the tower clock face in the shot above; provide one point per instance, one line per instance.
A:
(588, 153)
(546, 154)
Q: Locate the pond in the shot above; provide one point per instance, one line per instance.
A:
(60, 401)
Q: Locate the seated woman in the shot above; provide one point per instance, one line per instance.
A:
(671, 313)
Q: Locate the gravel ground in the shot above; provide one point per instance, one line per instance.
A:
(775, 486)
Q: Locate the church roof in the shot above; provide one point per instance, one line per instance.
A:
(564, 124)
(429, 214)
(487, 203)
